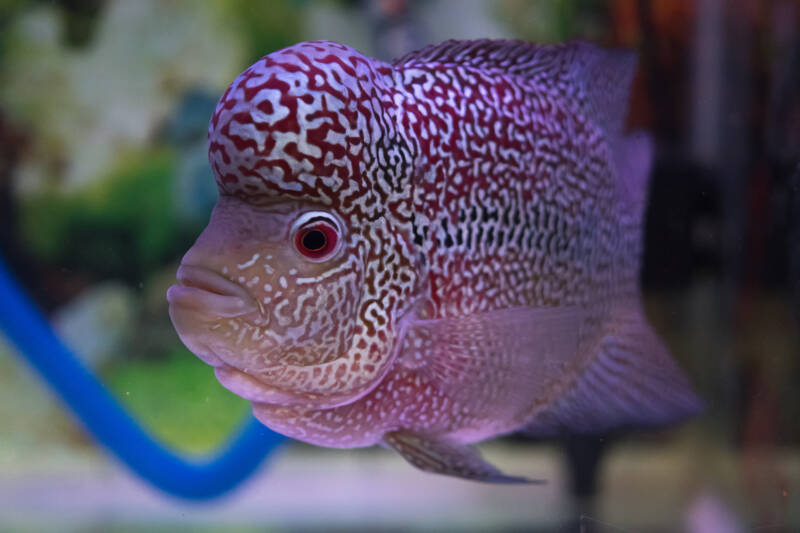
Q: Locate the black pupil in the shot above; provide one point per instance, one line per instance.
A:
(314, 240)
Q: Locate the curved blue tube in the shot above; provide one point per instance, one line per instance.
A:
(111, 425)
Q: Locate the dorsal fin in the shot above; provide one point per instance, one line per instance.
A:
(598, 78)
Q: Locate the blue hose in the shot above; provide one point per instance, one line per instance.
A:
(111, 425)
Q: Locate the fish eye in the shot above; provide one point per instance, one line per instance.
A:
(316, 236)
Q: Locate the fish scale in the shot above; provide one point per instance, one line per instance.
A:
(486, 213)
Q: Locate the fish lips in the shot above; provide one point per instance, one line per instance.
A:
(200, 298)
(207, 293)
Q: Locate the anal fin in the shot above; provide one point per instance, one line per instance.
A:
(441, 455)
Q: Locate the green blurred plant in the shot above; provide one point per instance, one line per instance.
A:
(264, 26)
(122, 226)
(552, 21)
(178, 399)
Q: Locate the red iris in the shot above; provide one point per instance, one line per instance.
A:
(316, 240)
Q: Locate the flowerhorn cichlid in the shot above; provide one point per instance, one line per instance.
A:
(431, 252)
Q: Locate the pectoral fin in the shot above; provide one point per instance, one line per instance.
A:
(494, 361)
(631, 382)
(443, 456)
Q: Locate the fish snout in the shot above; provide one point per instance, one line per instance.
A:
(206, 292)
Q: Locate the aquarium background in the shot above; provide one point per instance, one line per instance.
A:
(104, 183)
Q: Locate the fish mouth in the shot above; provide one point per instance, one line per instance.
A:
(207, 292)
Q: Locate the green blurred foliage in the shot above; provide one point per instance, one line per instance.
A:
(264, 26)
(9, 9)
(122, 226)
(553, 21)
(178, 399)
(78, 19)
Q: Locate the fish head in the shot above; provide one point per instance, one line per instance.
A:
(292, 292)
(266, 290)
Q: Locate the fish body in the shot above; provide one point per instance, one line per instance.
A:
(429, 253)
